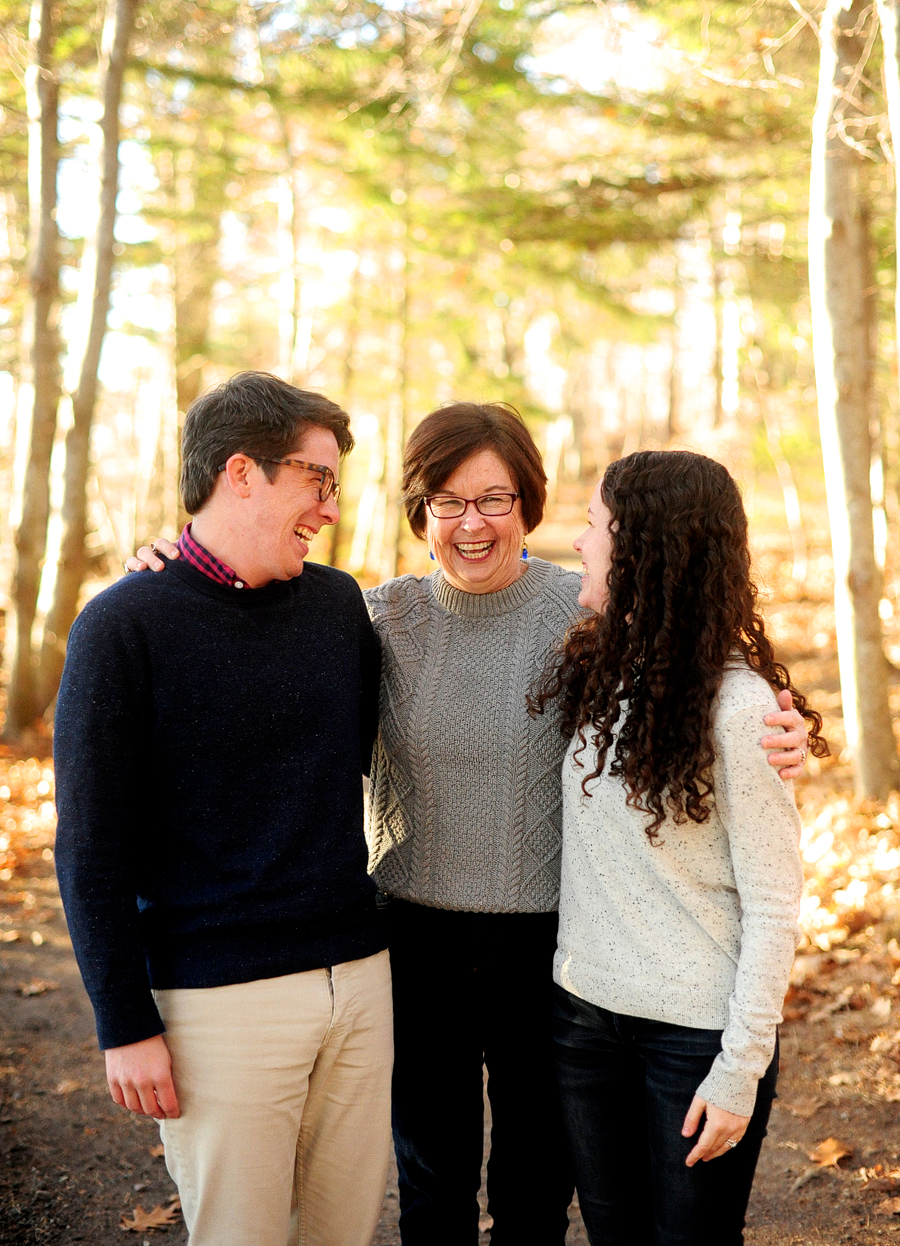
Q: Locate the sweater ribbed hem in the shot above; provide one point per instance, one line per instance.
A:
(215, 958)
(492, 605)
(732, 1090)
(449, 902)
(636, 997)
(219, 958)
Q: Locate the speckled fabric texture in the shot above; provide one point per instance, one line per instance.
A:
(700, 929)
(465, 801)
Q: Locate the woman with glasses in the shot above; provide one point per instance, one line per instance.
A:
(464, 837)
(464, 831)
(681, 873)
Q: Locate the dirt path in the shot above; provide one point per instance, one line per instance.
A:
(71, 1164)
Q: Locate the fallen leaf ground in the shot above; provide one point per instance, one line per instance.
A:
(72, 1165)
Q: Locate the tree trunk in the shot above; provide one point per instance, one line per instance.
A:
(673, 418)
(96, 279)
(348, 380)
(198, 200)
(294, 322)
(718, 276)
(889, 17)
(395, 438)
(43, 351)
(792, 512)
(837, 269)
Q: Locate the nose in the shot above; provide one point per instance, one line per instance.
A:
(473, 519)
(577, 543)
(329, 510)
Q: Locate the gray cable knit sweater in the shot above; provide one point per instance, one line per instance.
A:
(700, 928)
(465, 801)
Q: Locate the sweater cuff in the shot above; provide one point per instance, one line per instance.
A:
(731, 1091)
(123, 1021)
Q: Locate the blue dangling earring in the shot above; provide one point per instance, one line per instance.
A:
(431, 555)
(524, 551)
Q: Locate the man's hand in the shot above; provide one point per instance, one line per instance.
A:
(140, 1078)
(792, 744)
(150, 557)
(720, 1127)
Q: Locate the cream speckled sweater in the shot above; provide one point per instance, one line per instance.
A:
(464, 799)
(699, 930)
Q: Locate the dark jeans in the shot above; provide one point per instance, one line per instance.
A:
(626, 1086)
(474, 990)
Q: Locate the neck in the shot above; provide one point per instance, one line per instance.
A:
(218, 535)
(489, 586)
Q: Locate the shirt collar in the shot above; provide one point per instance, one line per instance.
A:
(202, 560)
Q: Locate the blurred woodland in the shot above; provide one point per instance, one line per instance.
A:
(597, 212)
(611, 215)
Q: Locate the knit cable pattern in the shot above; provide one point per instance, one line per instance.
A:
(465, 799)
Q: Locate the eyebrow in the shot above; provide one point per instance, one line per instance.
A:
(490, 489)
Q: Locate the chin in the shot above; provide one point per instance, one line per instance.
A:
(291, 572)
(474, 571)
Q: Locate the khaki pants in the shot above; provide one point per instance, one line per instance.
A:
(284, 1089)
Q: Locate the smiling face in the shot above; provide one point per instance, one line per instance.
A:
(479, 553)
(285, 513)
(595, 547)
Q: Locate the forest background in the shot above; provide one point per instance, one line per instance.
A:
(608, 214)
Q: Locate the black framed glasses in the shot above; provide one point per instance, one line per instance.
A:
(444, 506)
(328, 486)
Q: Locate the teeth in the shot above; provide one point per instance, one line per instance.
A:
(305, 534)
(474, 549)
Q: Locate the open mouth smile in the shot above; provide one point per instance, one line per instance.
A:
(474, 551)
(305, 534)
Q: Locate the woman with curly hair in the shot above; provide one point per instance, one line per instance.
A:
(464, 829)
(680, 871)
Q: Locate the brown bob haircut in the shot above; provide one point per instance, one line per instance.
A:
(447, 437)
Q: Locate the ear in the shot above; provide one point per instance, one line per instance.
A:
(239, 474)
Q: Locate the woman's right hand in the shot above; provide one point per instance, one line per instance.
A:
(150, 557)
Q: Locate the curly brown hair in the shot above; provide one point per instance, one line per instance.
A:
(681, 608)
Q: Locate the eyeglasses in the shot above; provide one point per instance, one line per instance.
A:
(328, 486)
(442, 506)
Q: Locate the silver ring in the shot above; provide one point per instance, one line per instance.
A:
(732, 1142)
(127, 568)
(803, 754)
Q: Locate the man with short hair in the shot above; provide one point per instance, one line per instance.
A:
(222, 917)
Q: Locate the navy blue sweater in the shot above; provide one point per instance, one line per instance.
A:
(209, 748)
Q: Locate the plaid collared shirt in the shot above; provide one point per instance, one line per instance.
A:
(202, 560)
